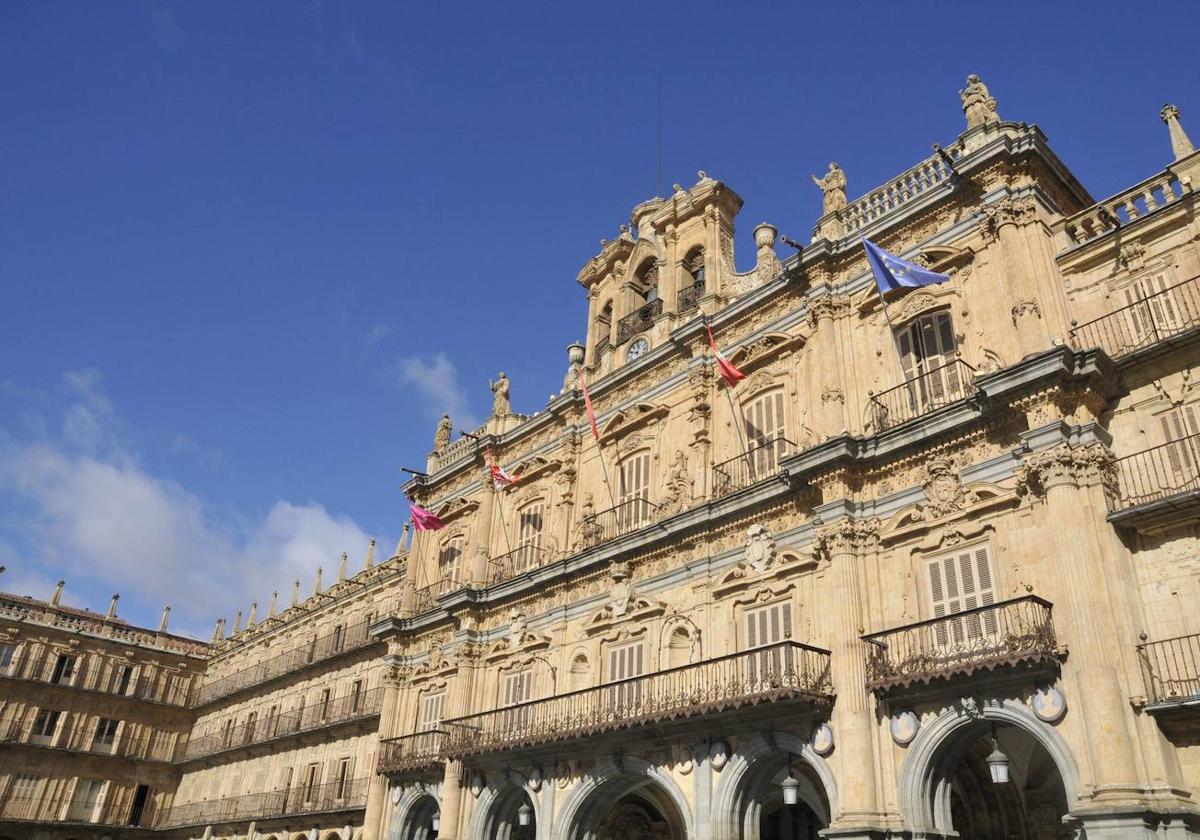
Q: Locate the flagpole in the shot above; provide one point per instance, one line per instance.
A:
(596, 436)
(737, 418)
(888, 318)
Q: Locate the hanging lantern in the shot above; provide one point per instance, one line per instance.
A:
(435, 823)
(791, 789)
(997, 762)
(524, 814)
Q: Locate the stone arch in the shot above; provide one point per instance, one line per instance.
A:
(504, 793)
(924, 775)
(587, 804)
(411, 814)
(332, 834)
(734, 812)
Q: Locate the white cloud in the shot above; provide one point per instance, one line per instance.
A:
(436, 383)
(97, 516)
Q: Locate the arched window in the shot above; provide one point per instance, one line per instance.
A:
(646, 280)
(634, 492)
(693, 286)
(450, 564)
(604, 328)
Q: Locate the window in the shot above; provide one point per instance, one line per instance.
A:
(449, 564)
(22, 801)
(85, 804)
(272, 720)
(341, 785)
(356, 691)
(64, 669)
(1154, 310)
(339, 637)
(124, 678)
(6, 657)
(324, 704)
(529, 537)
(45, 725)
(106, 735)
(646, 280)
(626, 662)
(312, 775)
(518, 690)
(251, 720)
(227, 732)
(603, 328)
(429, 717)
(927, 349)
(1182, 432)
(633, 511)
(769, 627)
(958, 582)
(765, 433)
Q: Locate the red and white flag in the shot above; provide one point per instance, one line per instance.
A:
(424, 520)
(501, 477)
(729, 373)
(587, 403)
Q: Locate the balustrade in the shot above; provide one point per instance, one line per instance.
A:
(788, 670)
(902, 189)
(922, 394)
(347, 795)
(1169, 469)
(1132, 204)
(517, 562)
(1007, 633)
(615, 521)
(639, 320)
(412, 752)
(1171, 668)
(752, 466)
(1158, 317)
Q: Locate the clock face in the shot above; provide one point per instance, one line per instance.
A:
(636, 349)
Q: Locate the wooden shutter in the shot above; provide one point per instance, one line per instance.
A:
(767, 627)
(765, 432)
(432, 705)
(449, 563)
(1179, 430)
(958, 582)
(624, 663)
(518, 689)
(529, 536)
(635, 488)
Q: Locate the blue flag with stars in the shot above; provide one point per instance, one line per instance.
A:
(892, 272)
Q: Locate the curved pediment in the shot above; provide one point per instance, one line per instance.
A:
(766, 349)
(534, 467)
(638, 608)
(629, 419)
(453, 508)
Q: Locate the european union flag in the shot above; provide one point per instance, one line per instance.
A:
(891, 272)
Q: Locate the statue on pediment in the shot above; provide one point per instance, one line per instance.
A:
(978, 103)
(833, 185)
(441, 438)
(501, 406)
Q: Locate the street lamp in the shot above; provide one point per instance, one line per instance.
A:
(790, 785)
(997, 762)
(524, 814)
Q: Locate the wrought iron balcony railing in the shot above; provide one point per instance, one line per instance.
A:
(784, 671)
(346, 638)
(1172, 669)
(759, 462)
(145, 745)
(1163, 471)
(689, 298)
(412, 752)
(426, 597)
(922, 394)
(1159, 317)
(1012, 632)
(169, 690)
(517, 562)
(338, 710)
(347, 795)
(639, 320)
(622, 519)
(603, 342)
(52, 809)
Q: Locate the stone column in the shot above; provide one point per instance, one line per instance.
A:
(479, 546)
(843, 544)
(670, 272)
(1001, 225)
(375, 818)
(823, 312)
(451, 802)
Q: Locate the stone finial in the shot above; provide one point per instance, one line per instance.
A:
(295, 593)
(271, 609)
(237, 623)
(342, 567)
(57, 596)
(400, 543)
(1181, 145)
(978, 104)
(218, 629)
(253, 615)
(112, 606)
(370, 554)
(441, 437)
(317, 582)
(162, 622)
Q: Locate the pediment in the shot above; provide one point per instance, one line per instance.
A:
(743, 576)
(458, 506)
(608, 616)
(528, 642)
(969, 503)
(534, 467)
(629, 419)
(768, 348)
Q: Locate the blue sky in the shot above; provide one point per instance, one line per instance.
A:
(250, 251)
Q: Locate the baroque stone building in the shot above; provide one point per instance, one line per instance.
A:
(928, 571)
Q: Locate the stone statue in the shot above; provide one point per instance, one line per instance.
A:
(678, 492)
(500, 404)
(833, 185)
(589, 531)
(441, 438)
(977, 103)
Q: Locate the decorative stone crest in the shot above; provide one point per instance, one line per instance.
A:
(760, 547)
(1133, 255)
(943, 489)
(822, 739)
(678, 489)
(904, 727)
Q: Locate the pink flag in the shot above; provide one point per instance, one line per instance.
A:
(501, 477)
(424, 520)
(729, 373)
(587, 402)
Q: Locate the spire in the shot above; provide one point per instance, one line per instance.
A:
(218, 628)
(57, 596)
(253, 614)
(295, 593)
(317, 584)
(162, 622)
(271, 609)
(1180, 144)
(237, 623)
(403, 539)
(112, 606)
(342, 567)
(370, 554)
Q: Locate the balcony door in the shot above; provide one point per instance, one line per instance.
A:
(88, 800)
(1154, 309)
(624, 663)
(927, 349)
(517, 692)
(1181, 433)
(767, 628)
(433, 704)
(529, 536)
(765, 432)
(959, 582)
(450, 565)
(634, 492)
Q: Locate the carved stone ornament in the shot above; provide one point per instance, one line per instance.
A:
(397, 792)
(904, 727)
(1006, 211)
(1133, 255)
(718, 754)
(535, 778)
(677, 491)
(978, 104)
(1066, 465)
(970, 707)
(477, 783)
(943, 489)
(1049, 704)
(846, 536)
(760, 547)
(822, 739)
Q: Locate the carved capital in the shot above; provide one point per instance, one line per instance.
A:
(1006, 211)
(1066, 466)
(1025, 308)
(829, 394)
(846, 536)
(827, 308)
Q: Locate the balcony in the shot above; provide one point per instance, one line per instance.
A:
(517, 562)
(1161, 320)
(143, 746)
(1158, 486)
(349, 795)
(152, 689)
(422, 751)
(425, 598)
(52, 809)
(1171, 668)
(616, 521)
(785, 671)
(352, 707)
(1018, 632)
(922, 394)
(758, 463)
(639, 320)
(347, 638)
(689, 298)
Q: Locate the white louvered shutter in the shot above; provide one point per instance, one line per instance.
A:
(768, 627)
(529, 536)
(1180, 428)
(958, 582)
(765, 433)
(635, 489)
(449, 564)
(518, 689)
(624, 663)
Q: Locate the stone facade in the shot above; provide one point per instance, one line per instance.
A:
(927, 571)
